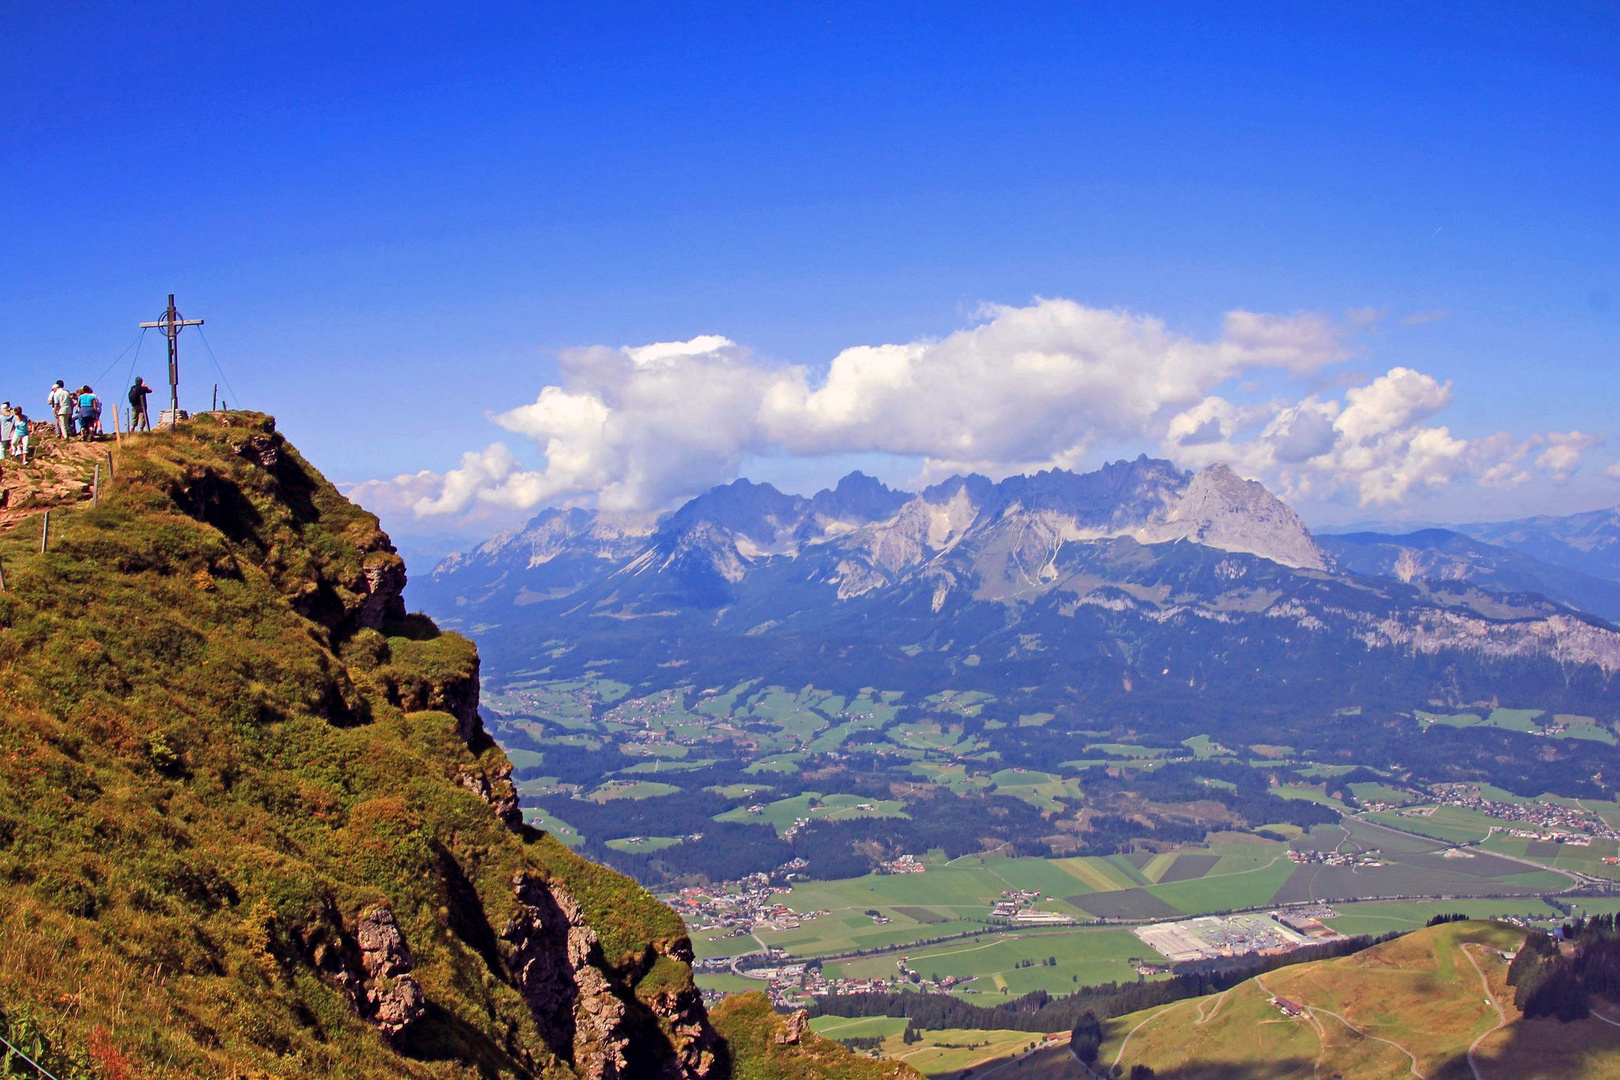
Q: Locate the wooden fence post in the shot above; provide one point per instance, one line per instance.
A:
(44, 532)
(118, 428)
(95, 487)
(2, 577)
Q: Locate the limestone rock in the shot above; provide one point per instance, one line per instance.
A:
(494, 785)
(384, 588)
(555, 961)
(793, 1028)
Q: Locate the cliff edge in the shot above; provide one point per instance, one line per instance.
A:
(251, 823)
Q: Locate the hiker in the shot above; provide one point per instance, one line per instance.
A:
(19, 435)
(5, 428)
(61, 403)
(88, 413)
(138, 420)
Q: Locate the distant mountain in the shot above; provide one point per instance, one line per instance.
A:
(878, 534)
(1138, 589)
(1589, 542)
(1445, 556)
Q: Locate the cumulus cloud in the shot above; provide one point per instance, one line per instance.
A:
(1375, 446)
(637, 427)
(640, 427)
(1563, 454)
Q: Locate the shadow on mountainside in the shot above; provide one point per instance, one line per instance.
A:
(1057, 1063)
(1544, 1049)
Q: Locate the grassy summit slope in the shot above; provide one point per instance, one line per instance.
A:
(251, 825)
(1417, 1005)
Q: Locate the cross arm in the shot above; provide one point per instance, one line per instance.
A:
(166, 325)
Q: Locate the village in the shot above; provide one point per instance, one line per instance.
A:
(1548, 820)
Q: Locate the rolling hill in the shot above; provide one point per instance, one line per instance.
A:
(1434, 1004)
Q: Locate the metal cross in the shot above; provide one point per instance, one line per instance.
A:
(171, 324)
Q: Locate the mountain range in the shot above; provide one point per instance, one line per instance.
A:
(1138, 586)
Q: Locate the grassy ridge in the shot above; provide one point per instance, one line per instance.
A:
(208, 767)
(1415, 1005)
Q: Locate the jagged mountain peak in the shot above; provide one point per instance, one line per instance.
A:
(858, 498)
(1220, 509)
(872, 536)
(757, 511)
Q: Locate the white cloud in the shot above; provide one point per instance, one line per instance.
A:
(1563, 454)
(1375, 447)
(640, 427)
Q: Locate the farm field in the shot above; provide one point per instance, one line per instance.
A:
(1229, 873)
(1408, 1007)
(563, 831)
(1016, 962)
(813, 806)
(946, 1054)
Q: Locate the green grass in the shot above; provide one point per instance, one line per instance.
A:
(812, 806)
(542, 819)
(643, 844)
(1429, 1004)
(219, 764)
(1377, 917)
(753, 1032)
(1044, 791)
(1000, 964)
(631, 789)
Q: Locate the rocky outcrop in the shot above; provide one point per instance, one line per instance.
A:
(392, 998)
(493, 784)
(554, 959)
(261, 448)
(384, 586)
(552, 949)
(793, 1028)
(373, 965)
(1220, 509)
(697, 1046)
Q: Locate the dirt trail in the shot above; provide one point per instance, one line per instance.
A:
(1490, 999)
(57, 474)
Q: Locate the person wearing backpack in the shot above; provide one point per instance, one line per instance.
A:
(5, 428)
(61, 403)
(138, 419)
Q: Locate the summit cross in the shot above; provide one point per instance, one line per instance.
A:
(171, 324)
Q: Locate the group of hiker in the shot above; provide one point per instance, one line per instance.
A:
(75, 414)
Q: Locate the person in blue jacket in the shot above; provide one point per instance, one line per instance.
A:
(88, 413)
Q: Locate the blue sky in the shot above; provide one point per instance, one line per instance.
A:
(395, 218)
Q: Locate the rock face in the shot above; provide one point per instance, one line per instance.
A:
(793, 1029)
(494, 785)
(373, 965)
(1220, 509)
(555, 961)
(384, 585)
(391, 997)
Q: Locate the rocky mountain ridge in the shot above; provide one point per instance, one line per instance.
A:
(872, 534)
(1135, 575)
